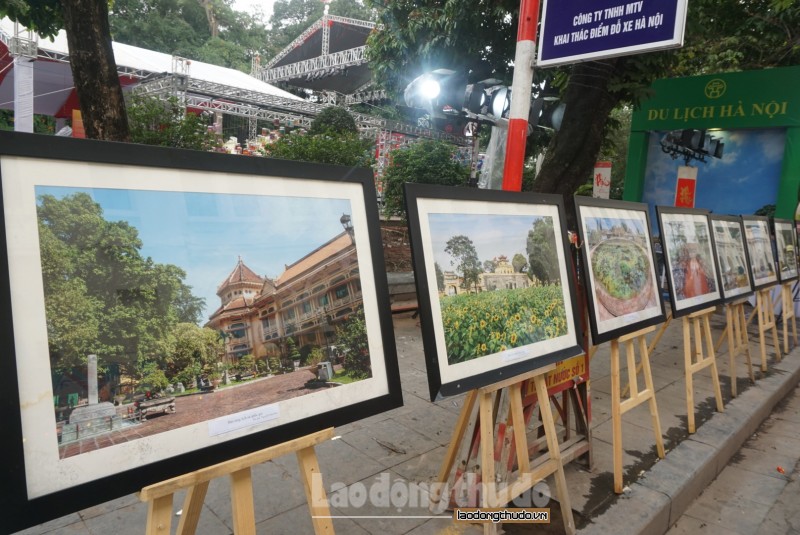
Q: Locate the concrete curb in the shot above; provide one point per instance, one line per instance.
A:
(658, 499)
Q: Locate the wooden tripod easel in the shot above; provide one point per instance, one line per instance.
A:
(527, 475)
(766, 322)
(159, 496)
(695, 360)
(637, 397)
(787, 313)
(738, 341)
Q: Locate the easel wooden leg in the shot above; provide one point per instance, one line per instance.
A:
(192, 507)
(744, 340)
(713, 365)
(243, 516)
(730, 328)
(699, 325)
(159, 496)
(637, 397)
(616, 417)
(787, 306)
(687, 370)
(555, 454)
(464, 423)
(315, 491)
(159, 516)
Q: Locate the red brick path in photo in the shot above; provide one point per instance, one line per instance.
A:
(202, 407)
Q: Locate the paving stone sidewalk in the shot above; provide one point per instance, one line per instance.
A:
(408, 445)
(758, 492)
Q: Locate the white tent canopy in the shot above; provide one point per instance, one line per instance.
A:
(53, 87)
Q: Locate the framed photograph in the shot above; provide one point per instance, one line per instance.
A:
(786, 247)
(727, 233)
(621, 277)
(167, 310)
(759, 251)
(689, 257)
(496, 295)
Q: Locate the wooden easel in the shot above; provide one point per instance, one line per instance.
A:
(159, 496)
(637, 397)
(787, 312)
(738, 341)
(656, 339)
(766, 321)
(695, 360)
(527, 475)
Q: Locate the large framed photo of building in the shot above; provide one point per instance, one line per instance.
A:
(689, 258)
(759, 251)
(166, 310)
(496, 296)
(621, 280)
(786, 247)
(727, 233)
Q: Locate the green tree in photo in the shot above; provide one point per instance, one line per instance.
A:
(101, 295)
(519, 263)
(489, 266)
(468, 265)
(542, 255)
(439, 276)
(351, 339)
(187, 349)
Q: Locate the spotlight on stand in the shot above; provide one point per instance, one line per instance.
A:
(692, 145)
(440, 91)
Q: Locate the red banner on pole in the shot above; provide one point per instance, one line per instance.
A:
(686, 187)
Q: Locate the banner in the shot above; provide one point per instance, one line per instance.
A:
(686, 187)
(23, 94)
(601, 188)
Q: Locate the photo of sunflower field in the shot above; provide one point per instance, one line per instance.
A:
(499, 282)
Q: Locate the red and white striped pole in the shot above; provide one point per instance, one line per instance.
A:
(521, 95)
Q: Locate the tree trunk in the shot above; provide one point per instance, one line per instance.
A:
(94, 70)
(570, 158)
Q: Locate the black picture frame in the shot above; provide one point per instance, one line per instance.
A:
(733, 261)
(763, 266)
(37, 484)
(611, 317)
(785, 249)
(456, 361)
(691, 263)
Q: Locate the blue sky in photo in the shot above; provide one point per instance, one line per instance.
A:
(492, 235)
(205, 233)
(742, 181)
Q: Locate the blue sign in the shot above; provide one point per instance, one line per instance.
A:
(580, 30)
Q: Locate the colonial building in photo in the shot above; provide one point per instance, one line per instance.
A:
(257, 314)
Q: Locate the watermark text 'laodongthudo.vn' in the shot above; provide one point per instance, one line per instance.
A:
(394, 495)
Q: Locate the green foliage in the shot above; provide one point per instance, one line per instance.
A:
(187, 349)
(247, 364)
(439, 276)
(423, 162)
(519, 263)
(468, 264)
(291, 349)
(333, 120)
(154, 121)
(476, 325)
(621, 267)
(766, 210)
(347, 149)
(541, 248)
(101, 295)
(153, 378)
(351, 339)
(315, 356)
(182, 27)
